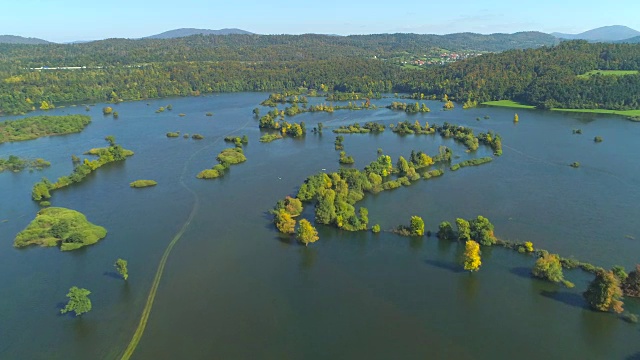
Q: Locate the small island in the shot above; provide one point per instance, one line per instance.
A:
(226, 158)
(16, 164)
(56, 226)
(143, 183)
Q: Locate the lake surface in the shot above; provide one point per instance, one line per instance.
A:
(234, 289)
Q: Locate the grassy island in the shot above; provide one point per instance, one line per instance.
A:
(62, 227)
(38, 126)
(143, 183)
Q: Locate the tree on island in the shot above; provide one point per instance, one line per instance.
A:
(464, 229)
(482, 231)
(111, 140)
(472, 260)
(631, 284)
(306, 232)
(284, 222)
(417, 226)
(445, 231)
(604, 293)
(79, 301)
(121, 268)
(549, 267)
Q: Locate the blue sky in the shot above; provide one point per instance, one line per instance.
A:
(71, 20)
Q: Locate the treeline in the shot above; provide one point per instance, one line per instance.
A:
(24, 90)
(546, 77)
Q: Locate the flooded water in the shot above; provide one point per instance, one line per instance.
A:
(234, 289)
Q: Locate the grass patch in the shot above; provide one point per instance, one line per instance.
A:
(629, 113)
(59, 226)
(513, 104)
(508, 103)
(607, 73)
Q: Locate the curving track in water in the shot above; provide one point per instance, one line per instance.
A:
(137, 336)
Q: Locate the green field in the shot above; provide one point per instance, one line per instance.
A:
(608, 73)
(631, 113)
(517, 105)
(508, 103)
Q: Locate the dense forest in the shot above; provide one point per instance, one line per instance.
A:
(253, 47)
(118, 70)
(547, 77)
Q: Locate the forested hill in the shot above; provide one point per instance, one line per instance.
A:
(547, 77)
(12, 39)
(251, 47)
(184, 32)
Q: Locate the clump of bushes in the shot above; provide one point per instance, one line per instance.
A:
(143, 183)
(345, 160)
(266, 138)
(173, 134)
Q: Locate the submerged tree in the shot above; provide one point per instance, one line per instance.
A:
(464, 229)
(472, 256)
(79, 301)
(604, 293)
(306, 232)
(121, 268)
(417, 226)
(549, 267)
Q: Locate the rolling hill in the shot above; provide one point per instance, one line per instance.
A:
(178, 33)
(603, 34)
(12, 39)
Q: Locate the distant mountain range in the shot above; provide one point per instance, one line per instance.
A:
(602, 34)
(614, 33)
(12, 39)
(178, 33)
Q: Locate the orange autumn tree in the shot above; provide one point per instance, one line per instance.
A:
(604, 293)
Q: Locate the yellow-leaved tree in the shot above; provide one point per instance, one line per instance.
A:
(472, 256)
(306, 232)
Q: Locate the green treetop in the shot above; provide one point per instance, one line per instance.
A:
(79, 301)
(121, 268)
